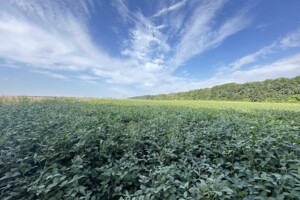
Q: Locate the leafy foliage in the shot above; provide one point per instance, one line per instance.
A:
(278, 90)
(76, 150)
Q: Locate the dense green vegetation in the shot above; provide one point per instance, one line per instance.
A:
(277, 90)
(86, 150)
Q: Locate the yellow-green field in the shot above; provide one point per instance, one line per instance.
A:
(243, 106)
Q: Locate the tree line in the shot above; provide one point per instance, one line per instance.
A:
(270, 90)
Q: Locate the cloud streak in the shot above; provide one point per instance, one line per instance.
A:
(170, 9)
(51, 74)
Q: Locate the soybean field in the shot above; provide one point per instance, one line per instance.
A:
(135, 149)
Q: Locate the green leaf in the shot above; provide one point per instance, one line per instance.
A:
(185, 194)
(203, 186)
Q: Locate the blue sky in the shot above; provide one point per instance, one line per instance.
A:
(123, 48)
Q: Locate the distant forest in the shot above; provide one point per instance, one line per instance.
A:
(276, 90)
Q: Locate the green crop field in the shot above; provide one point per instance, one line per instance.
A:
(134, 149)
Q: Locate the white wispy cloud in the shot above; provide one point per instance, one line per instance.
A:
(60, 44)
(198, 35)
(170, 8)
(145, 40)
(51, 74)
(291, 40)
(288, 67)
(201, 35)
(56, 41)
